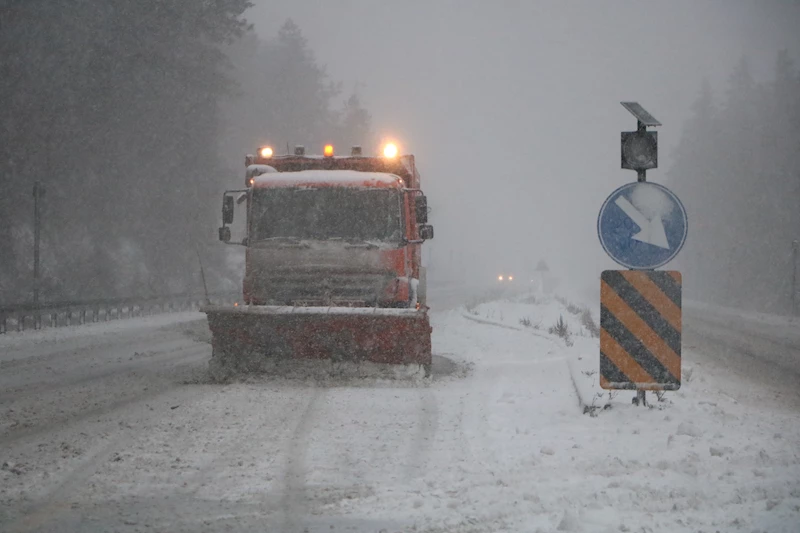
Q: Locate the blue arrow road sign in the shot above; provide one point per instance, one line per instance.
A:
(642, 225)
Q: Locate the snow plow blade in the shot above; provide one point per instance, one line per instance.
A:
(307, 340)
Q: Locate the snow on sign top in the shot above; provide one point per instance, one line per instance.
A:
(339, 178)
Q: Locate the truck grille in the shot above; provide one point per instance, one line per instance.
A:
(332, 302)
(316, 289)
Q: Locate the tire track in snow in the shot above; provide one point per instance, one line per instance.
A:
(475, 414)
(297, 500)
(50, 507)
(239, 442)
(57, 500)
(60, 382)
(52, 426)
(294, 499)
(424, 435)
(32, 355)
(506, 393)
(497, 464)
(19, 356)
(484, 473)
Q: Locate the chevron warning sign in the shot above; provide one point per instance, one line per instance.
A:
(640, 329)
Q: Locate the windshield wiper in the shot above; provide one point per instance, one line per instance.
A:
(284, 242)
(357, 243)
(293, 240)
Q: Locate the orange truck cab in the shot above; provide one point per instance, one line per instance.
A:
(336, 231)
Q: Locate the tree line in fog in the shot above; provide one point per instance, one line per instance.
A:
(737, 170)
(134, 115)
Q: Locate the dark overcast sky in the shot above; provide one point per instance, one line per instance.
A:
(512, 107)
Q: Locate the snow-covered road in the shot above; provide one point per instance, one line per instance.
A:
(760, 360)
(112, 428)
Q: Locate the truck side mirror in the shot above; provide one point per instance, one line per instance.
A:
(225, 234)
(421, 208)
(227, 210)
(426, 232)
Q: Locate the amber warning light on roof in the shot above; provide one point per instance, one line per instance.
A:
(265, 151)
(390, 150)
(328, 150)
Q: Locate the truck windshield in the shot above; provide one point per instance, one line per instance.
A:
(327, 213)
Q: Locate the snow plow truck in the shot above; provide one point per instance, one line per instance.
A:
(333, 281)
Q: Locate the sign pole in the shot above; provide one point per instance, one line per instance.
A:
(37, 192)
(641, 176)
(795, 250)
(640, 397)
(641, 173)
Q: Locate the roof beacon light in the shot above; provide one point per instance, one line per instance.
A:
(328, 150)
(390, 150)
(300, 150)
(356, 151)
(265, 152)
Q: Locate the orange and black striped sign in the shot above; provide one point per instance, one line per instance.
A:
(640, 329)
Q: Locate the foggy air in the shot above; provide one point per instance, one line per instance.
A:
(449, 265)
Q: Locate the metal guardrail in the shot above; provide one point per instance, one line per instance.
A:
(52, 315)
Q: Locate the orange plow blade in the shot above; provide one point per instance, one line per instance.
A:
(255, 339)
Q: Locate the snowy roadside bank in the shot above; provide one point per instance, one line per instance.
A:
(695, 460)
(568, 327)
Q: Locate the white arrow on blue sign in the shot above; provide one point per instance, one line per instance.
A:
(642, 225)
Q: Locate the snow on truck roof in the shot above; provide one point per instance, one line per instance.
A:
(341, 178)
